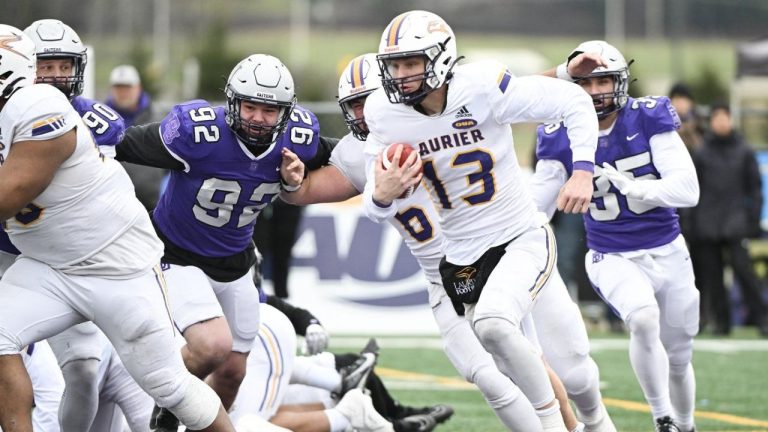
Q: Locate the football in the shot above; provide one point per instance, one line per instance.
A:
(389, 154)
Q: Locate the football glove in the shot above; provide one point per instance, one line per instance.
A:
(628, 187)
(316, 339)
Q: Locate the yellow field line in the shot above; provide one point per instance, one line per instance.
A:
(615, 403)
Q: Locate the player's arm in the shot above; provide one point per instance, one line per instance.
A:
(541, 99)
(323, 185)
(579, 65)
(305, 324)
(142, 145)
(29, 169)
(325, 148)
(300, 318)
(678, 186)
(548, 179)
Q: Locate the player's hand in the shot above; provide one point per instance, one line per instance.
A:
(316, 339)
(393, 182)
(576, 193)
(628, 187)
(291, 169)
(584, 63)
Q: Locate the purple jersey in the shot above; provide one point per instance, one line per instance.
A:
(107, 127)
(614, 222)
(211, 207)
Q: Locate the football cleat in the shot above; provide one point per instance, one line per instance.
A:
(439, 412)
(665, 424)
(163, 420)
(357, 407)
(415, 423)
(355, 375)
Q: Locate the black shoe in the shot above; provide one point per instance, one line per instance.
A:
(356, 374)
(415, 423)
(163, 420)
(665, 424)
(439, 412)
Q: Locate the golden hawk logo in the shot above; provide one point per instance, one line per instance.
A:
(466, 273)
(6, 41)
(437, 26)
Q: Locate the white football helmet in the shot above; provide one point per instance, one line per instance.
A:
(55, 40)
(18, 62)
(261, 79)
(617, 67)
(359, 79)
(417, 33)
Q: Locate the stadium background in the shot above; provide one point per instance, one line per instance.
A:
(357, 276)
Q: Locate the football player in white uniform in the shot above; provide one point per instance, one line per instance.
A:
(56, 188)
(273, 366)
(498, 253)
(564, 338)
(61, 59)
(638, 261)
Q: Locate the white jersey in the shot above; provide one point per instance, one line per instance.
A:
(470, 167)
(87, 220)
(416, 217)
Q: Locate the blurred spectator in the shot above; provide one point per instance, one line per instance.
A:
(728, 215)
(682, 100)
(127, 97)
(130, 101)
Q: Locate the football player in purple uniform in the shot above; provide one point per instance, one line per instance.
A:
(227, 164)
(638, 261)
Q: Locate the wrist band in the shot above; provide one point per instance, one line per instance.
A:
(562, 72)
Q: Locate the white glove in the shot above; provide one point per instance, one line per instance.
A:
(315, 339)
(628, 187)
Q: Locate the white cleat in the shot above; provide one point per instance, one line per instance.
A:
(357, 407)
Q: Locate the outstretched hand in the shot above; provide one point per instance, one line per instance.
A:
(628, 187)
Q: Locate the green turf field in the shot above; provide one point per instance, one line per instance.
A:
(732, 382)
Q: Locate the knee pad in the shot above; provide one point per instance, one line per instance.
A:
(84, 372)
(198, 407)
(497, 389)
(493, 332)
(644, 323)
(9, 344)
(680, 355)
(581, 376)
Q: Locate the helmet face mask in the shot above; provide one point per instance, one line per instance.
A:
(18, 61)
(259, 79)
(55, 40)
(416, 34)
(617, 68)
(612, 101)
(359, 79)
